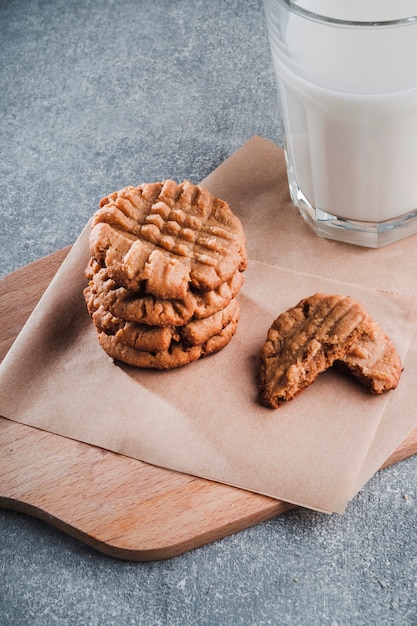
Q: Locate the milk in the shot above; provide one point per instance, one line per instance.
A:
(349, 109)
(352, 155)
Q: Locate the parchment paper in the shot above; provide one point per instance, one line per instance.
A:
(204, 419)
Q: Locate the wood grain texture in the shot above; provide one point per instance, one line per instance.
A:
(122, 507)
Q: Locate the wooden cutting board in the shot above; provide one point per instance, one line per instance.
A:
(125, 508)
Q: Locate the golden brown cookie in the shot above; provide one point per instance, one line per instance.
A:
(167, 237)
(157, 338)
(139, 336)
(306, 340)
(142, 308)
(179, 353)
(373, 360)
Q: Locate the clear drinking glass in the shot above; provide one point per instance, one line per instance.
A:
(347, 86)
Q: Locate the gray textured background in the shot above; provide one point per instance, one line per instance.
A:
(95, 95)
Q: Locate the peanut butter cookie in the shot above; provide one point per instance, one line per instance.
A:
(156, 338)
(140, 307)
(167, 237)
(177, 355)
(306, 340)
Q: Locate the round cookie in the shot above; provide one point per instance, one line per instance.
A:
(157, 338)
(145, 308)
(177, 356)
(139, 336)
(167, 237)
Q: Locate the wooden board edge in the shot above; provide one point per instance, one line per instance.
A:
(276, 507)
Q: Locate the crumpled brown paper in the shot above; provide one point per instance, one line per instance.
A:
(204, 419)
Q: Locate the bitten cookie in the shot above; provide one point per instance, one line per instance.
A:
(305, 341)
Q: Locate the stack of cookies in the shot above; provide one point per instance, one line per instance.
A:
(166, 267)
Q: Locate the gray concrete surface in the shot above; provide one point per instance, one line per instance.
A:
(96, 94)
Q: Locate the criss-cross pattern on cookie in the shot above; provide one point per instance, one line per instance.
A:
(320, 331)
(170, 236)
(306, 340)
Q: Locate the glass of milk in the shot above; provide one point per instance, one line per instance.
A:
(347, 86)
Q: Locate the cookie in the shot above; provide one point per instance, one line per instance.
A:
(373, 360)
(200, 331)
(139, 336)
(158, 338)
(178, 355)
(305, 341)
(142, 308)
(167, 237)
